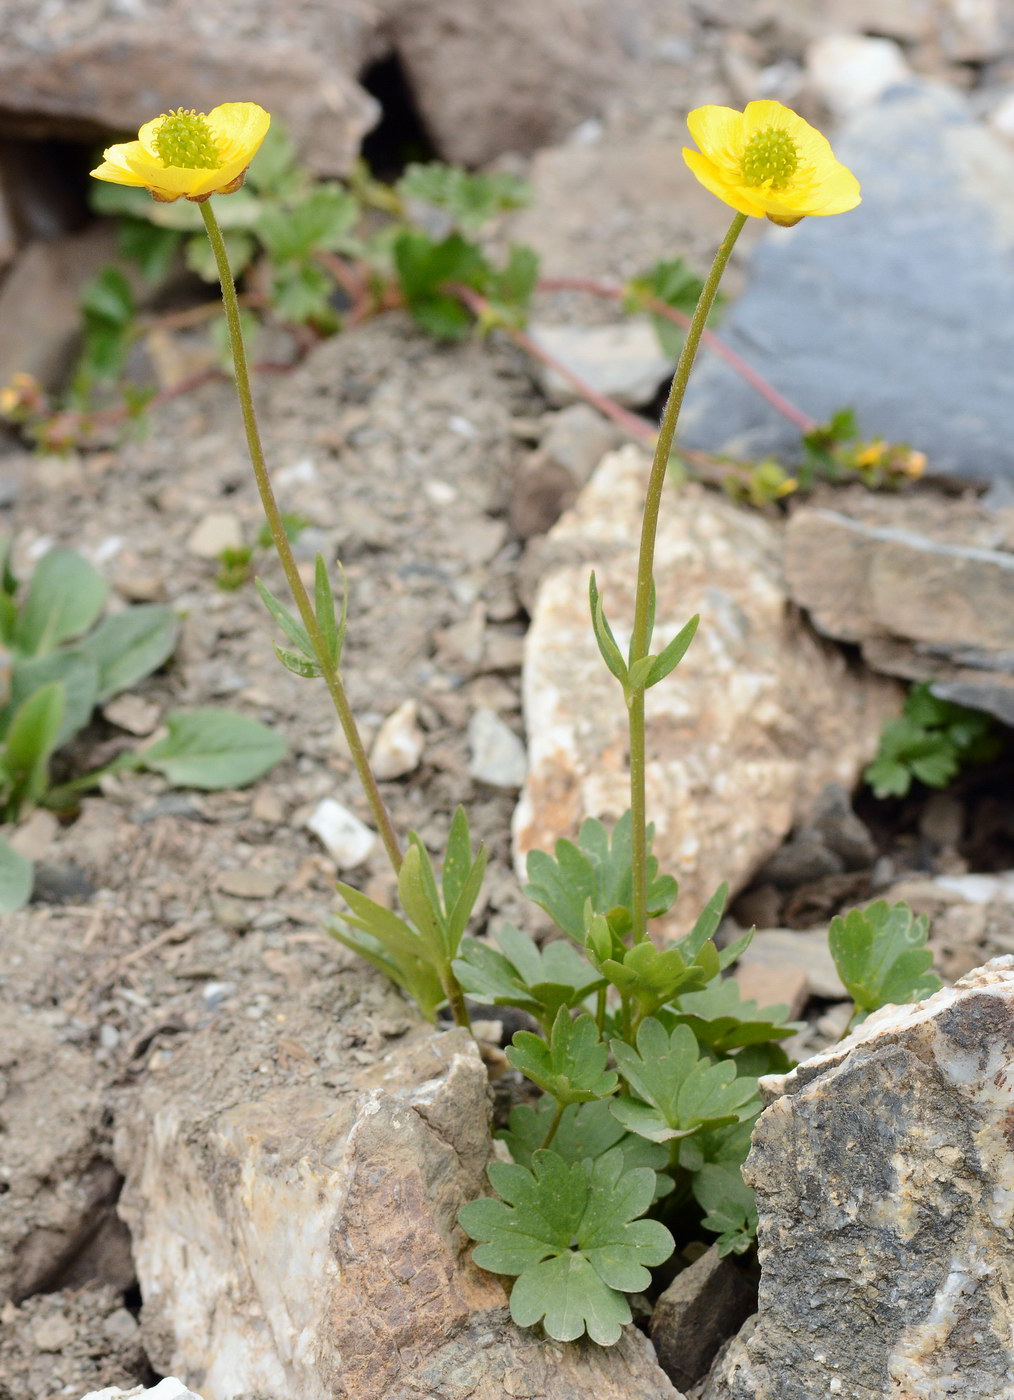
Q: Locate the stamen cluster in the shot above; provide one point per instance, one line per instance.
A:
(184, 140)
(771, 157)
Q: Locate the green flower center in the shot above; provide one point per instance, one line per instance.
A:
(771, 157)
(184, 139)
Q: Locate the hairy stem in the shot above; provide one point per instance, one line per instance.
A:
(297, 588)
(640, 638)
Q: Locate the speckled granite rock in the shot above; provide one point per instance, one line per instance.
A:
(742, 737)
(884, 1172)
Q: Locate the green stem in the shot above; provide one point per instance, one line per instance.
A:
(456, 1001)
(640, 638)
(554, 1125)
(300, 595)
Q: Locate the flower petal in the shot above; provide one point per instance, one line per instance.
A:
(238, 129)
(718, 132)
(714, 179)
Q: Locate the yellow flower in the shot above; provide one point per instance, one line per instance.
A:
(189, 153)
(767, 162)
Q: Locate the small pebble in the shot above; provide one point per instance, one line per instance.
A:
(218, 530)
(497, 755)
(52, 1333)
(346, 839)
(249, 883)
(398, 747)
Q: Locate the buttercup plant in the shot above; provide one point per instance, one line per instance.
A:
(647, 1059)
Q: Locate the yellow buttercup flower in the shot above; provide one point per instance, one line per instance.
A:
(192, 154)
(767, 162)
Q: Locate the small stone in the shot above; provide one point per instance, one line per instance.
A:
(803, 858)
(33, 837)
(61, 884)
(773, 986)
(625, 361)
(109, 1036)
(1001, 118)
(497, 754)
(120, 1327)
(133, 713)
(249, 883)
(214, 993)
(702, 1307)
(841, 830)
(942, 820)
(218, 530)
(783, 950)
(578, 437)
(849, 71)
(52, 1333)
(398, 747)
(347, 840)
(267, 807)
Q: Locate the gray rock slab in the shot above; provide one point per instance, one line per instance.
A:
(885, 1191)
(902, 309)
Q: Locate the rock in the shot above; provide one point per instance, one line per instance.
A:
(918, 591)
(374, 1295)
(109, 73)
(550, 478)
(702, 1307)
(803, 858)
(725, 781)
(624, 361)
(849, 71)
(40, 302)
(614, 207)
(249, 883)
(398, 748)
(783, 951)
(885, 1188)
(537, 67)
(577, 438)
(496, 754)
(168, 1389)
(52, 1333)
(900, 308)
(347, 840)
(34, 836)
(841, 830)
(1001, 118)
(133, 713)
(214, 532)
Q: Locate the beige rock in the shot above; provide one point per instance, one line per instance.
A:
(398, 747)
(305, 1242)
(741, 738)
(214, 532)
(850, 71)
(625, 362)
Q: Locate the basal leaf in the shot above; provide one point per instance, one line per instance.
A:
(213, 749)
(65, 597)
(570, 1234)
(129, 645)
(16, 878)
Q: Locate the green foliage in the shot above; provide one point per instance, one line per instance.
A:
(833, 451)
(571, 1065)
(539, 981)
(418, 952)
(571, 1235)
(107, 316)
(648, 670)
(881, 956)
(430, 272)
(596, 869)
(470, 201)
(729, 1206)
(677, 1092)
(931, 740)
(676, 284)
(213, 749)
(61, 660)
(583, 1131)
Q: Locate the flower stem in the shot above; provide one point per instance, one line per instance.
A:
(640, 638)
(554, 1124)
(300, 595)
